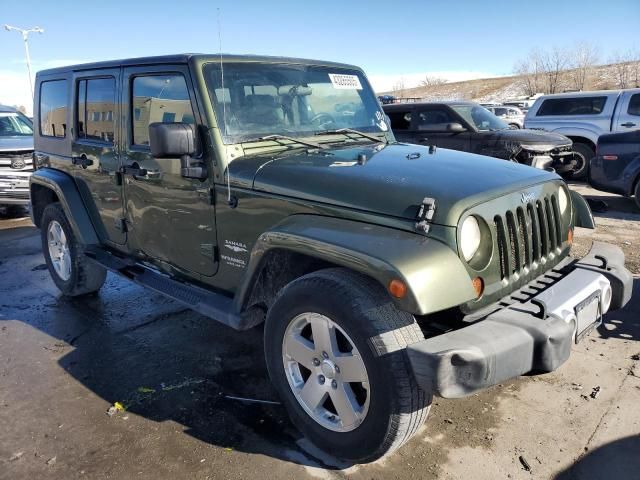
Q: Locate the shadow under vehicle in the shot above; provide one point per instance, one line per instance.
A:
(265, 189)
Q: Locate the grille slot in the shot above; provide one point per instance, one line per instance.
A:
(527, 235)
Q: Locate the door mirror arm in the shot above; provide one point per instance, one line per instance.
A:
(192, 168)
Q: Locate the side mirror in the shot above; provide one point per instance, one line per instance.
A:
(455, 128)
(171, 140)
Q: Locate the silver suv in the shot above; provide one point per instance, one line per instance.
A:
(16, 150)
(511, 115)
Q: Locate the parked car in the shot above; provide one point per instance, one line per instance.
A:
(468, 127)
(584, 116)
(616, 166)
(385, 99)
(16, 164)
(262, 189)
(513, 116)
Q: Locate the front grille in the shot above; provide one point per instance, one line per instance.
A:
(9, 160)
(527, 236)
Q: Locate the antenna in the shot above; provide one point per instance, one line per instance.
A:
(224, 103)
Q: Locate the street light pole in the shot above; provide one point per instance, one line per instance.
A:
(25, 37)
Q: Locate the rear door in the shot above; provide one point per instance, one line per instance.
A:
(628, 114)
(95, 158)
(430, 128)
(169, 217)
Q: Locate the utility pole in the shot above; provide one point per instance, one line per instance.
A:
(25, 37)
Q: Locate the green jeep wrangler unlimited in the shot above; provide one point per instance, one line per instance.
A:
(259, 189)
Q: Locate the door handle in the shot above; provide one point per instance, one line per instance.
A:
(628, 124)
(81, 161)
(134, 170)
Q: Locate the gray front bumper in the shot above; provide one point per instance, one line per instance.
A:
(531, 336)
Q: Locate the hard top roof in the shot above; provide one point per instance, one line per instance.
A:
(400, 106)
(7, 108)
(187, 57)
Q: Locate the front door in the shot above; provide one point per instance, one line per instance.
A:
(431, 127)
(169, 218)
(628, 117)
(95, 158)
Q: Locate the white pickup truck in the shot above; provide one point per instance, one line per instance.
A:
(584, 116)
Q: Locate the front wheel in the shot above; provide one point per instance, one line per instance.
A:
(637, 193)
(583, 154)
(335, 348)
(72, 272)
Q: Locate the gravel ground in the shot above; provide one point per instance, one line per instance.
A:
(64, 364)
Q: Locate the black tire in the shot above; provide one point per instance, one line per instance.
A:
(514, 126)
(364, 310)
(86, 276)
(583, 155)
(636, 193)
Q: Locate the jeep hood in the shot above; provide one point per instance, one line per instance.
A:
(393, 180)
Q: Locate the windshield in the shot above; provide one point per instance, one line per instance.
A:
(13, 124)
(260, 99)
(480, 117)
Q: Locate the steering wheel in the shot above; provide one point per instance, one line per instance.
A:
(322, 119)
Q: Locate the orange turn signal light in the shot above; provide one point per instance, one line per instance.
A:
(570, 237)
(397, 288)
(478, 286)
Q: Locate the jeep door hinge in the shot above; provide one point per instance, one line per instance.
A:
(425, 214)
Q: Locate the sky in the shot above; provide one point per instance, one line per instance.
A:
(406, 39)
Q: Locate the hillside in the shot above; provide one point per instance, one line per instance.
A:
(500, 89)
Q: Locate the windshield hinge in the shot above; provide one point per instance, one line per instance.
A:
(425, 214)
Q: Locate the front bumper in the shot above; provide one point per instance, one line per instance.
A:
(532, 334)
(14, 188)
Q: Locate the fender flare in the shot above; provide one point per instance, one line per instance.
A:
(433, 273)
(582, 216)
(69, 197)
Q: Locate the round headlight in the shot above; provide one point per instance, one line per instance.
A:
(469, 237)
(563, 199)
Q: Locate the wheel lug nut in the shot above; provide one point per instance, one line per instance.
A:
(316, 362)
(334, 384)
(337, 369)
(325, 355)
(321, 379)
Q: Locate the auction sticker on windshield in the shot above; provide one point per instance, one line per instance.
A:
(345, 82)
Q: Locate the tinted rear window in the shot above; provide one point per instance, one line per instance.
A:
(54, 97)
(634, 105)
(572, 106)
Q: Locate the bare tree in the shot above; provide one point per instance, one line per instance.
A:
(621, 63)
(432, 81)
(399, 88)
(554, 63)
(584, 57)
(530, 69)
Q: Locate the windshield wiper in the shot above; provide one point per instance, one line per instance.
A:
(353, 132)
(292, 139)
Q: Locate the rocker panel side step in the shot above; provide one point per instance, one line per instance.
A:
(213, 305)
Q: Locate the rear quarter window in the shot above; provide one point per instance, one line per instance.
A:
(572, 106)
(54, 99)
(634, 105)
(400, 119)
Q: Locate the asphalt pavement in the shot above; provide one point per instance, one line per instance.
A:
(127, 384)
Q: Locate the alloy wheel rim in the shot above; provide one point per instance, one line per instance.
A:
(326, 372)
(59, 250)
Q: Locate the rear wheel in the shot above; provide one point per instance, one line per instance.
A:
(335, 351)
(637, 193)
(514, 126)
(583, 154)
(72, 272)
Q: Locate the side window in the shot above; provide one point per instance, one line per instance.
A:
(158, 98)
(54, 97)
(500, 112)
(400, 120)
(435, 120)
(95, 105)
(572, 106)
(634, 105)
